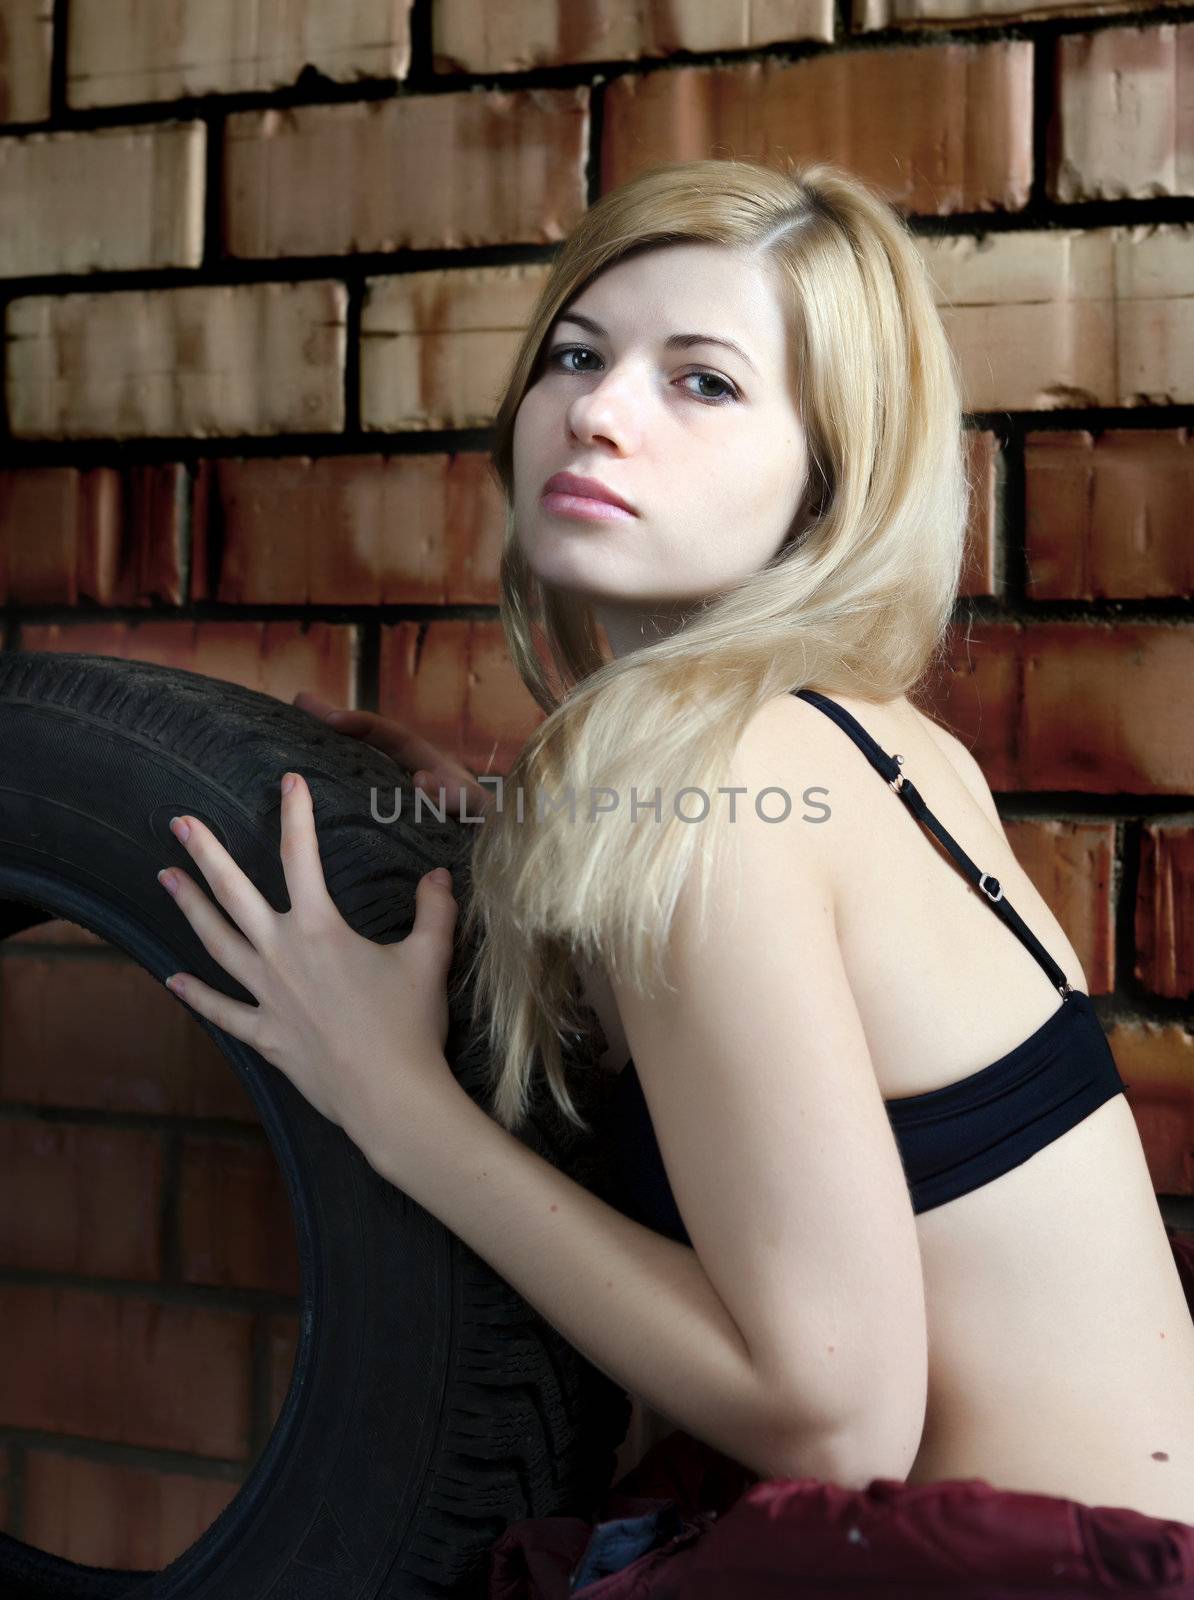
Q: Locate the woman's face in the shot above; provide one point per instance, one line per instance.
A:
(704, 442)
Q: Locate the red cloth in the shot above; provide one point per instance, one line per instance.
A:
(708, 1529)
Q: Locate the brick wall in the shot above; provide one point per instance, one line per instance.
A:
(259, 293)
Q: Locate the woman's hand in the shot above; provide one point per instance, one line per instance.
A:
(358, 1027)
(432, 770)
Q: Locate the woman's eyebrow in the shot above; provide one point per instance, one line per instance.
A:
(677, 341)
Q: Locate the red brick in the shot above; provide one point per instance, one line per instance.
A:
(870, 14)
(436, 346)
(80, 1199)
(1165, 910)
(200, 360)
(1072, 865)
(353, 530)
(282, 1345)
(103, 534)
(1125, 116)
(276, 658)
(941, 128)
(454, 683)
(110, 199)
(26, 48)
(126, 1369)
(104, 1035)
(1109, 516)
(1064, 317)
(121, 51)
(1156, 1061)
(975, 696)
(984, 465)
(421, 172)
(236, 1227)
(102, 1514)
(1099, 708)
(475, 36)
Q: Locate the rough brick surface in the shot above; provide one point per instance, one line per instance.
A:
(453, 682)
(236, 1228)
(112, 198)
(1072, 865)
(1108, 516)
(352, 530)
(125, 1368)
(961, 13)
(476, 36)
(436, 347)
(103, 534)
(425, 172)
(122, 51)
(105, 1036)
(1156, 1061)
(984, 465)
(938, 129)
(277, 658)
(257, 358)
(80, 1199)
(26, 48)
(106, 1514)
(1040, 320)
(1165, 910)
(1097, 708)
(1125, 113)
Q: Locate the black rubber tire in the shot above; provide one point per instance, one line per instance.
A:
(430, 1405)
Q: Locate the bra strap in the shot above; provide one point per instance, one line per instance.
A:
(888, 768)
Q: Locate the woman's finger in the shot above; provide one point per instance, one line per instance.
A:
(408, 749)
(313, 703)
(240, 898)
(225, 944)
(233, 1016)
(301, 863)
(443, 790)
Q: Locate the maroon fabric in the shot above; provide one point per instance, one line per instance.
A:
(721, 1532)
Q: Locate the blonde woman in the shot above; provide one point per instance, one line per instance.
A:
(892, 1218)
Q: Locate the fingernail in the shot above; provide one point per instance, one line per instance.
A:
(288, 783)
(168, 880)
(175, 984)
(441, 875)
(180, 829)
(337, 716)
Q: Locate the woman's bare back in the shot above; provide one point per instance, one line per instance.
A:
(1061, 1347)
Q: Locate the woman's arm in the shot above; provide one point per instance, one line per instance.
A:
(636, 1303)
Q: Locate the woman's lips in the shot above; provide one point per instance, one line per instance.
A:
(584, 507)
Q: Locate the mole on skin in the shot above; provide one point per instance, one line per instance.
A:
(1160, 1455)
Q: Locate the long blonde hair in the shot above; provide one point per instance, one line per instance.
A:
(859, 603)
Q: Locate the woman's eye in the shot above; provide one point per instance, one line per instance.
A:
(555, 357)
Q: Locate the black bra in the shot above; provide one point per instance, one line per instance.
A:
(953, 1139)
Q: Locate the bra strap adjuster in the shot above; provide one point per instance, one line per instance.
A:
(898, 780)
(983, 882)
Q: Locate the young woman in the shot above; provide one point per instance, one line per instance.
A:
(903, 1225)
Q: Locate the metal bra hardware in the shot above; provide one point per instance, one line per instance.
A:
(982, 883)
(898, 780)
(1067, 989)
